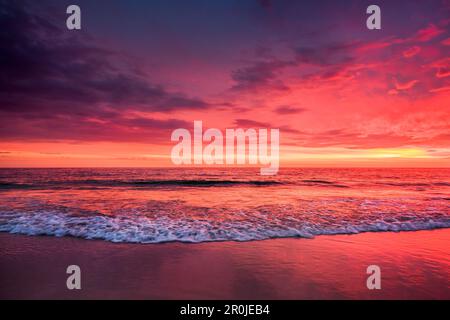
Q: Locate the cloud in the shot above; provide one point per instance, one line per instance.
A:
(59, 85)
(442, 66)
(379, 44)
(355, 140)
(245, 123)
(45, 69)
(405, 85)
(267, 75)
(326, 55)
(289, 110)
(119, 129)
(422, 35)
(411, 52)
(440, 89)
(443, 72)
(428, 33)
(260, 75)
(266, 4)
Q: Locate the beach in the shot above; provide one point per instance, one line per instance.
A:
(414, 265)
(224, 234)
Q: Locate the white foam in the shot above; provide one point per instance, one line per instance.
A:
(141, 229)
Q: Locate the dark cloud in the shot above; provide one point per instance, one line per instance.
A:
(260, 75)
(45, 68)
(264, 75)
(59, 84)
(245, 123)
(289, 110)
(266, 4)
(117, 129)
(326, 55)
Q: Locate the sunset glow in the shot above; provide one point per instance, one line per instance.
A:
(341, 95)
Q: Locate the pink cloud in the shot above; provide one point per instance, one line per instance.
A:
(392, 92)
(428, 33)
(405, 85)
(443, 67)
(440, 89)
(411, 52)
(381, 44)
(443, 73)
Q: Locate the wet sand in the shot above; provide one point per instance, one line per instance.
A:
(414, 265)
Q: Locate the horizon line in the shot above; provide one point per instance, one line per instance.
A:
(224, 167)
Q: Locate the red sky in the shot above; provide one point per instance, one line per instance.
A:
(111, 94)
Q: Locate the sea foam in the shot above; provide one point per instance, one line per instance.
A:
(141, 229)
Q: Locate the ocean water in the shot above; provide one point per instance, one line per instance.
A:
(199, 205)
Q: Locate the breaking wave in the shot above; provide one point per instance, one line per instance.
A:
(239, 226)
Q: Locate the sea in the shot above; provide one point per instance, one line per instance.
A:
(156, 205)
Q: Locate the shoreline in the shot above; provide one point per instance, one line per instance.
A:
(414, 265)
(217, 241)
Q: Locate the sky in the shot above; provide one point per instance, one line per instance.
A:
(111, 94)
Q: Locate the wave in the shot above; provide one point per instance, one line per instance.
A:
(141, 229)
(163, 183)
(11, 185)
(315, 182)
(138, 183)
(415, 184)
(197, 183)
(318, 181)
